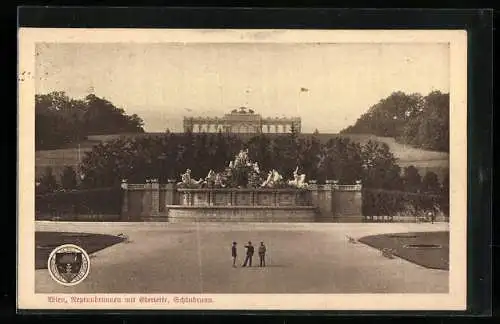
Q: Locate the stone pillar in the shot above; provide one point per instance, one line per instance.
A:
(313, 188)
(232, 198)
(185, 199)
(328, 196)
(124, 186)
(211, 198)
(155, 197)
(170, 194)
(321, 198)
(147, 199)
(268, 128)
(359, 186)
(199, 128)
(348, 203)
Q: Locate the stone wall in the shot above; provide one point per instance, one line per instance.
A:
(191, 214)
(244, 197)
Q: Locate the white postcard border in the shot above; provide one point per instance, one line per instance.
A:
(454, 300)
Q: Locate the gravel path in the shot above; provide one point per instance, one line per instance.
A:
(196, 258)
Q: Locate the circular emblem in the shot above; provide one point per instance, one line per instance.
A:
(69, 264)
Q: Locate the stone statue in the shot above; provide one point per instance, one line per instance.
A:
(241, 159)
(187, 181)
(273, 179)
(299, 180)
(210, 178)
(267, 182)
(277, 178)
(219, 181)
(256, 168)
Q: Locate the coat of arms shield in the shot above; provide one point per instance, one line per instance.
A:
(69, 264)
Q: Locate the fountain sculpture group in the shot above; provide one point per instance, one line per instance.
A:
(242, 192)
(242, 163)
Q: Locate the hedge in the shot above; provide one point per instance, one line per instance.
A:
(102, 201)
(378, 202)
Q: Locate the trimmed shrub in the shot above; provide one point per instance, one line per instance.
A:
(69, 204)
(391, 203)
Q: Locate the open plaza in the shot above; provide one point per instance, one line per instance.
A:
(161, 257)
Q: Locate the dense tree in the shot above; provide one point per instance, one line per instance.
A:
(445, 194)
(68, 178)
(381, 169)
(445, 184)
(430, 183)
(411, 179)
(60, 120)
(167, 156)
(48, 181)
(411, 119)
(259, 149)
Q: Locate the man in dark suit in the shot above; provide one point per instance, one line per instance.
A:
(250, 251)
(262, 254)
(234, 254)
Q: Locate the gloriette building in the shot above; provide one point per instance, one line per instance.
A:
(242, 120)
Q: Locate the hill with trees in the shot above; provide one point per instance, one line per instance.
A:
(412, 119)
(60, 120)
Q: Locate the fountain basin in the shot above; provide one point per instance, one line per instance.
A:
(262, 214)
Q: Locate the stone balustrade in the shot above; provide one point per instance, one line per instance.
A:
(244, 197)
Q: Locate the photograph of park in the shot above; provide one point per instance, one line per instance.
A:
(244, 168)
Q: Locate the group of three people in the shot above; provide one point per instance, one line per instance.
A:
(249, 254)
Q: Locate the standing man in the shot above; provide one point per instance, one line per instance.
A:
(250, 251)
(262, 254)
(234, 254)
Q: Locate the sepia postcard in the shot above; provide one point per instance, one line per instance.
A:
(242, 169)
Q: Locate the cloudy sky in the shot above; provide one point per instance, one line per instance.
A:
(163, 82)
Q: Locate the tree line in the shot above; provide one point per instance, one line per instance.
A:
(166, 156)
(61, 120)
(421, 121)
(388, 190)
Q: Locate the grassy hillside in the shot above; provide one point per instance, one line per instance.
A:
(422, 159)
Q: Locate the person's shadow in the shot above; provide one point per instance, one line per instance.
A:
(267, 266)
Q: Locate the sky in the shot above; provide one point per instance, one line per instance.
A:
(163, 82)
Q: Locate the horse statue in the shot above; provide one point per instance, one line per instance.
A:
(277, 178)
(273, 178)
(187, 181)
(299, 180)
(267, 182)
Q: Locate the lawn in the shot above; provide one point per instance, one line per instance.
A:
(429, 257)
(46, 242)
